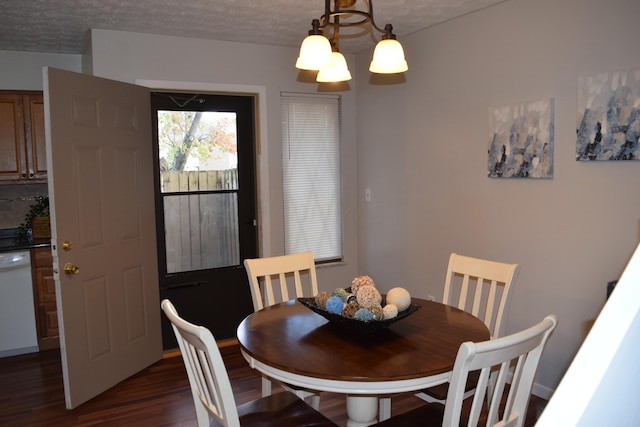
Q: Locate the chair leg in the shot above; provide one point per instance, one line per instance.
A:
(384, 408)
(315, 401)
(303, 394)
(266, 387)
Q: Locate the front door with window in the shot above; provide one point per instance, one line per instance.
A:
(205, 205)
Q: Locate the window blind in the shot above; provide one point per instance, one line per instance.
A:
(311, 175)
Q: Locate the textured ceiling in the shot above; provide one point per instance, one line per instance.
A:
(61, 26)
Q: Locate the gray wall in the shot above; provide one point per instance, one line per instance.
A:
(422, 150)
(23, 70)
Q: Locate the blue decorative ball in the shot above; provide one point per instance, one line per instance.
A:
(364, 314)
(334, 304)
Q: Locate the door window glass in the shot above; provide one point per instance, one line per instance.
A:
(199, 181)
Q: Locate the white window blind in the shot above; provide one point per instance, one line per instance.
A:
(311, 175)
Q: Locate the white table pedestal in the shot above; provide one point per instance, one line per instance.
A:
(362, 411)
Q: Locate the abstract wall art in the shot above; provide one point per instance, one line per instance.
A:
(608, 120)
(521, 140)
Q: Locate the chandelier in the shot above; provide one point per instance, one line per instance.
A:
(321, 53)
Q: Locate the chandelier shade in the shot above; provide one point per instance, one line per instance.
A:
(315, 53)
(339, 72)
(388, 58)
(322, 53)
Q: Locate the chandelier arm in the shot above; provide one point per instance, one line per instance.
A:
(373, 22)
(325, 19)
(335, 37)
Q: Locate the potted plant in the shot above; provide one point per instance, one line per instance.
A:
(36, 221)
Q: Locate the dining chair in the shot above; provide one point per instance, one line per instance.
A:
(515, 358)
(482, 288)
(271, 280)
(211, 389)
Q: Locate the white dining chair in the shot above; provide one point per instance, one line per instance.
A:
(515, 358)
(480, 287)
(211, 389)
(273, 280)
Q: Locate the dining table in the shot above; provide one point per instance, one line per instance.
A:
(290, 343)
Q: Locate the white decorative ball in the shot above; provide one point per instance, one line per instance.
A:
(390, 311)
(399, 297)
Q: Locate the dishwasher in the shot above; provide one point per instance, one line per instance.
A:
(17, 314)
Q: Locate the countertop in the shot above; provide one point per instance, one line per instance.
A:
(10, 241)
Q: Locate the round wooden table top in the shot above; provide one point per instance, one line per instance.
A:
(292, 338)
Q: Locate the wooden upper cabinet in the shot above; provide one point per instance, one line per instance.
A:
(22, 140)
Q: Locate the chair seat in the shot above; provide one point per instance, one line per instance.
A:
(430, 414)
(283, 409)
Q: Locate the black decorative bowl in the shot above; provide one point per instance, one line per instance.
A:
(363, 327)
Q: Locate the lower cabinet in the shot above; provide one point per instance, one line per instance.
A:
(44, 294)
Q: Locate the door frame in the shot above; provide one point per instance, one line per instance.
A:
(262, 153)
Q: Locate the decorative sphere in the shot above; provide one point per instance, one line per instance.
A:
(334, 304)
(377, 311)
(349, 309)
(361, 281)
(321, 299)
(363, 314)
(399, 297)
(368, 296)
(340, 292)
(390, 311)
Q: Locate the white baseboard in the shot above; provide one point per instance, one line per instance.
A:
(18, 351)
(542, 391)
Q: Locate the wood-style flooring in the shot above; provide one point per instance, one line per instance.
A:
(31, 394)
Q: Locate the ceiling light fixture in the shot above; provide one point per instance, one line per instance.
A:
(320, 52)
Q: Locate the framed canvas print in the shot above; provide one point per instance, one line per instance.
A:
(608, 122)
(521, 140)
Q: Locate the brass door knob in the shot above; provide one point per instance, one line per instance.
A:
(67, 246)
(71, 269)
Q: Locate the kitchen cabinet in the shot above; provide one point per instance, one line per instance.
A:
(22, 140)
(44, 295)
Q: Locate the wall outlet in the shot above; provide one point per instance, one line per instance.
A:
(367, 194)
(430, 298)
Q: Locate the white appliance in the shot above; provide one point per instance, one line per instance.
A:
(17, 313)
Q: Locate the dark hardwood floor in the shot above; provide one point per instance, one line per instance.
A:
(32, 395)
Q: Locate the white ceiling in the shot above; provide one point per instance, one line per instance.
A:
(61, 26)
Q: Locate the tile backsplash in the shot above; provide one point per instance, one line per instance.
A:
(15, 200)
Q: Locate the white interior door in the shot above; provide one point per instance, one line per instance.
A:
(100, 165)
